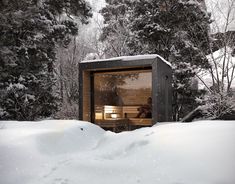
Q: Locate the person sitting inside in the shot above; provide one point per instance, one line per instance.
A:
(145, 111)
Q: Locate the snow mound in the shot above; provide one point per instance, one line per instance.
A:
(72, 152)
(53, 136)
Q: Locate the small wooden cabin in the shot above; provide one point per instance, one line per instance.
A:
(118, 93)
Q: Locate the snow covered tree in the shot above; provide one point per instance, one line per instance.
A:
(219, 77)
(174, 29)
(67, 74)
(85, 46)
(116, 33)
(30, 32)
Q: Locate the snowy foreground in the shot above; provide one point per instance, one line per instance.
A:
(73, 152)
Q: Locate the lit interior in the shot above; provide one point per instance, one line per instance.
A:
(120, 94)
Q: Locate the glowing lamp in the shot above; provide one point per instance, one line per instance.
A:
(98, 115)
(114, 116)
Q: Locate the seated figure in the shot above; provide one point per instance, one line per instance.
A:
(145, 111)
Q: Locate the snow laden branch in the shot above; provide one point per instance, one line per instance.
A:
(219, 77)
(221, 47)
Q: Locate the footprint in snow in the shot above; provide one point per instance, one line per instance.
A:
(60, 181)
(137, 144)
(53, 169)
(64, 162)
(122, 152)
(151, 133)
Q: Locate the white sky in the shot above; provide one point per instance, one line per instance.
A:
(97, 4)
(219, 10)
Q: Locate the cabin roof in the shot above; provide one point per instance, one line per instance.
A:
(130, 58)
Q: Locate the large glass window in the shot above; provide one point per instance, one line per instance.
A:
(122, 94)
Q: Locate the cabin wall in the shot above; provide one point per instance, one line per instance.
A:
(164, 92)
(155, 95)
(86, 101)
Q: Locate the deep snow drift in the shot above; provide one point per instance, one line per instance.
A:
(73, 152)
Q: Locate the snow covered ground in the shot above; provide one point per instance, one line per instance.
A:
(73, 152)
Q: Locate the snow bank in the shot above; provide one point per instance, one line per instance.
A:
(72, 152)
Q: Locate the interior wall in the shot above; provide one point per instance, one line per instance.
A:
(135, 97)
(115, 91)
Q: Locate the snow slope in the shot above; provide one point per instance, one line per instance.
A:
(75, 152)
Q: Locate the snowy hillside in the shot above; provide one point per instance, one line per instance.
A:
(73, 152)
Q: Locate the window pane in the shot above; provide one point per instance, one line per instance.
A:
(115, 91)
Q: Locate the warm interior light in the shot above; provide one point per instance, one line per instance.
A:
(109, 109)
(114, 116)
(98, 115)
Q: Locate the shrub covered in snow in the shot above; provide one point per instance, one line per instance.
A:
(217, 105)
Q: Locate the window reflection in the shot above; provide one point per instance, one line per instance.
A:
(122, 94)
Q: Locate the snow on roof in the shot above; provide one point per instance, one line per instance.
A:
(131, 58)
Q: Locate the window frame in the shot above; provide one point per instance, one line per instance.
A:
(92, 107)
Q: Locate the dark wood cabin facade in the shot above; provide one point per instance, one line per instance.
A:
(115, 93)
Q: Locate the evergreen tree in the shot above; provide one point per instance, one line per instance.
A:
(30, 32)
(116, 33)
(178, 31)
